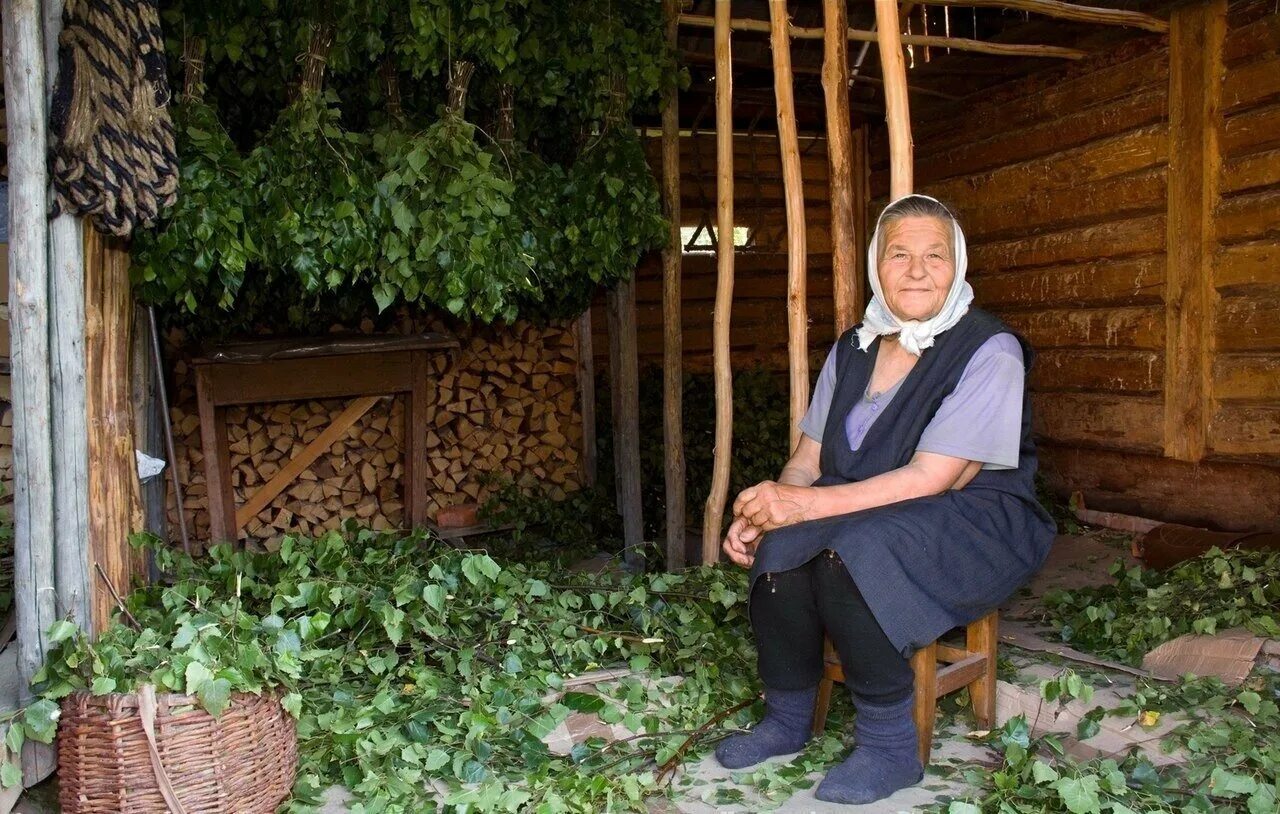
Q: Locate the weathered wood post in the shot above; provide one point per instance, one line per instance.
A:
(672, 341)
(793, 190)
(713, 517)
(840, 155)
(624, 379)
(33, 567)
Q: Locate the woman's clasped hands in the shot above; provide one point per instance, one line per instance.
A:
(764, 507)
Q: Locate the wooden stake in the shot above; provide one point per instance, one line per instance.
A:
(1067, 11)
(894, 71)
(956, 43)
(625, 382)
(672, 341)
(835, 87)
(793, 190)
(713, 516)
(33, 557)
(1195, 90)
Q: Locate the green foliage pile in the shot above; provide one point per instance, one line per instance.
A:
(408, 662)
(1232, 761)
(1145, 608)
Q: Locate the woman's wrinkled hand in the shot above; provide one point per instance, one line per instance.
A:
(741, 541)
(769, 505)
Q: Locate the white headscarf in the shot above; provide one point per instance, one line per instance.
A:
(914, 335)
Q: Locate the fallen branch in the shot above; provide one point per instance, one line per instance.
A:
(675, 760)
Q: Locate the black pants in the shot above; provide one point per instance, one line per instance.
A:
(790, 610)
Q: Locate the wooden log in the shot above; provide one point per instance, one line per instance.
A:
(625, 384)
(894, 71)
(1245, 430)
(1251, 131)
(1246, 377)
(1137, 328)
(955, 43)
(1248, 217)
(1247, 322)
(840, 158)
(1251, 173)
(797, 316)
(1100, 419)
(34, 525)
(1122, 282)
(1135, 236)
(1128, 372)
(1195, 49)
(713, 516)
(672, 351)
(1067, 11)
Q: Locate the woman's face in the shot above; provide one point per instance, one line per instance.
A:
(916, 267)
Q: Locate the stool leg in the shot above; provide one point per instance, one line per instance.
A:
(981, 637)
(822, 705)
(925, 665)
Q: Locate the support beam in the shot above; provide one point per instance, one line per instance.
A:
(835, 84)
(672, 340)
(894, 72)
(1067, 11)
(33, 517)
(586, 396)
(954, 43)
(1195, 90)
(713, 516)
(624, 379)
(793, 192)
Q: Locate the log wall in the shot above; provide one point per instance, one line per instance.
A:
(1063, 183)
(507, 410)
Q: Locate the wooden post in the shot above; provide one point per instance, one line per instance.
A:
(587, 396)
(672, 340)
(1195, 90)
(34, 529)
(840, 155)
(894, 71)
(148, 418)
(793, 188)
(713, 517)
(70, 435)
(625, 383)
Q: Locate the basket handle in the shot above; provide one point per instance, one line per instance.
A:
(147, 711)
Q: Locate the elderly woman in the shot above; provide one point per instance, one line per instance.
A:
(908, 507)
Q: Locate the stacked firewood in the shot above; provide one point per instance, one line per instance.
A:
(506, 410)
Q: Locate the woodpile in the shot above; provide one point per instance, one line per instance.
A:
(506, 409)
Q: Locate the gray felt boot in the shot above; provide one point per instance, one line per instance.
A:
(884, 759)
(784, 729)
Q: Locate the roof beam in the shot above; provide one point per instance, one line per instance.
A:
(1068, 11)
(954, 43)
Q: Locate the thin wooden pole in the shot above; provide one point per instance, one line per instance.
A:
(69, 428)
(33, 566)
(672, 340)
(894, 72)
(835, 86)
(587, 396)
(713, 517)
(1067, 11)
(625, 382)
(793, 190)
(861, 198)
(956, 43)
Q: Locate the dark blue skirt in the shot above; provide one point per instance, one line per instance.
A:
(925, 565)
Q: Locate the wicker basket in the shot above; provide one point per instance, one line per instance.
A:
(243, 762)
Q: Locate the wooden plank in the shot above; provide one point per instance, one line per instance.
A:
(1248, 322)
(673, 463)
(960, 674)
(323, 377)
(1252, 131)
(1130, 372)
(266, 493)
(1136, 328)
(217, 461)
(1246, 266)
(586, 395)
(624, 381)
(1128, 281)
(1136, 236)
(1230, 496)
(34, 525)
(1248, 217)
(713, 516)
(1246, 377)
(1246, 430)
(1041, 138)
(797, 300)
(840, 157)
(1068, 11)
(1252, 172)
(1195, 47)
(983, 637)
(1094, 419)
(897, 111)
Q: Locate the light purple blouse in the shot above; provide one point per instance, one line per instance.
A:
(981, 420)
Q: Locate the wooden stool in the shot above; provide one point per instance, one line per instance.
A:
(972, 666)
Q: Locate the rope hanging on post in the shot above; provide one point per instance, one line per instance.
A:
(113, 152)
